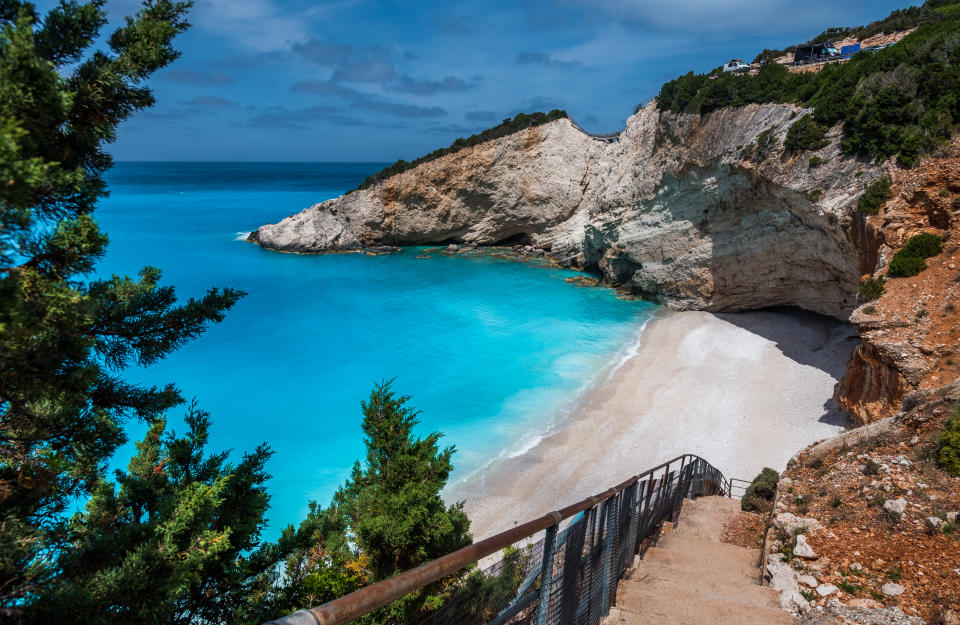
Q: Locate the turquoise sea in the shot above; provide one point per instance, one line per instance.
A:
(493, 351)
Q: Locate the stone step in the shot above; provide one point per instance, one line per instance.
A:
(709, 550)
(675, 607)
(709, 583)
(694, 563)
(710, 530)
(706, 517)
(692, 578)
(720, 504)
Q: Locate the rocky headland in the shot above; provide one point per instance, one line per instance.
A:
(696, 212)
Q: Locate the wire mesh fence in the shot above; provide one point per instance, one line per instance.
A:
(561, 569)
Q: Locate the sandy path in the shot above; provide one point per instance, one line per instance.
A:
(742, 390)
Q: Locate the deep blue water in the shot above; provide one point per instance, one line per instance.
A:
(491, 350)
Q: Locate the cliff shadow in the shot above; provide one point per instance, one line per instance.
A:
(805, 337)
(833, 415)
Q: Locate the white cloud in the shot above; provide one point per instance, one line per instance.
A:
(730, 17)
(257, 25)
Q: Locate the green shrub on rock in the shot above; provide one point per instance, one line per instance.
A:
(949, 456)
(906, 266)
(908, 261)
(874, 196)
(873, 288)
(759, 495)
(805, 134)
(923, 245)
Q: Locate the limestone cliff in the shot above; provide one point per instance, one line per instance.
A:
(685, 209)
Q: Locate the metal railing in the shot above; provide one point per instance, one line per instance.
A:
(571, 559)
(737, 487)
(605, 136)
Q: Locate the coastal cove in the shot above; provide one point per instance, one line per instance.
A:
(494, 352)
(742, 390)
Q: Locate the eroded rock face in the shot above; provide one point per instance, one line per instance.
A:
(682, 209)
(872, 387)
(911, 333)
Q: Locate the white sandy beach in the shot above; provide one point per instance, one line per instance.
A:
(743, 391)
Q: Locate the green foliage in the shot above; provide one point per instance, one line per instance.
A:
(479, 597)
(873, 288)
(949, 454)
(387, 518)
(895, 574)
(900, 101)
(923, 245)
(849, 587)
(761, 491)
(909, 260)
(175, 538)
(178, 528)
(815, 194)
(875, 195)
(806, 134)
(815, 161)
(906, 266)
(766, 142)
(871, 467)
(508, 127)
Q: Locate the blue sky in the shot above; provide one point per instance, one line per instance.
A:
(358, 80)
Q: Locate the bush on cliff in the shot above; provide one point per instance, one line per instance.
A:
(923, 245)
(909, 260)
(805, 134)
(873, 288)
(507, 127)
(900, 101)
(906, 266)
(875, 195)
(761, 491)
(949, 454)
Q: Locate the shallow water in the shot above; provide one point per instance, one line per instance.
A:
(492, 350)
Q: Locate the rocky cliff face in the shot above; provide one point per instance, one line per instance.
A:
(685, 210)
(912, 332)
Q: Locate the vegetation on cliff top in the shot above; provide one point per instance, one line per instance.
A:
(509, 126)
(901, 19)
(900, 101)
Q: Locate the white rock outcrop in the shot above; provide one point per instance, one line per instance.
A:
(803, 549)
(682, 209)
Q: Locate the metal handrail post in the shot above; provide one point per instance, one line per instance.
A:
(682, 484)
(546, 572)
(608, 557)
(645, 527)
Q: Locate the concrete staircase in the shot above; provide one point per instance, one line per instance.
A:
(691, 578)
